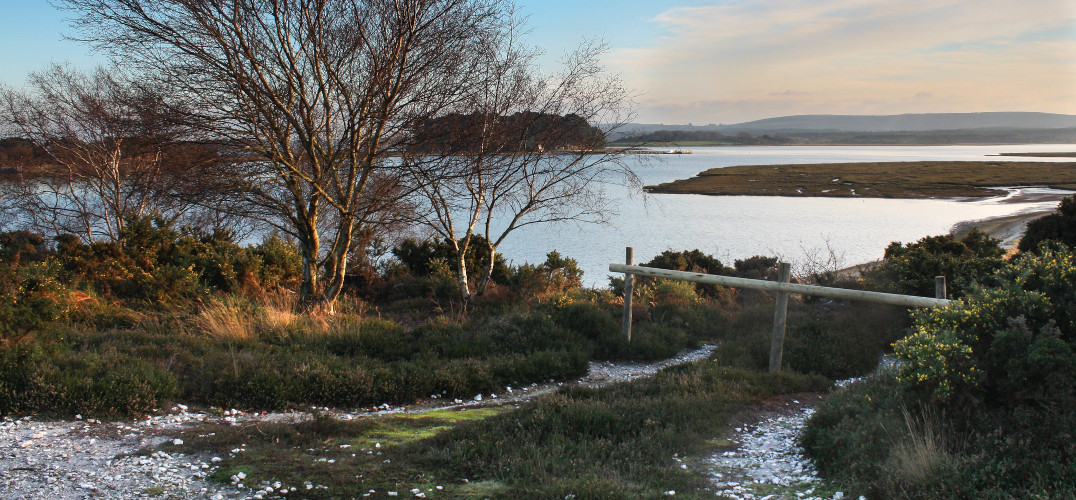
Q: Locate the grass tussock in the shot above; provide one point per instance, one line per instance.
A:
(227, 320)
(922, 456)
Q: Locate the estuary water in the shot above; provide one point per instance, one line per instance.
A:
(797, 230)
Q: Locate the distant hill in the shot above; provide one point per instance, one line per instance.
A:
(907, 128)
(880, 123)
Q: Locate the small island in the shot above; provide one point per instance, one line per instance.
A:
(917, 179)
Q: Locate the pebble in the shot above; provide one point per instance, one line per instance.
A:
(768, 454)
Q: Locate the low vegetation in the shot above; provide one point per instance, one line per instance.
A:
(623, 441)
(922, 179)
(168, 315)
(980, 401)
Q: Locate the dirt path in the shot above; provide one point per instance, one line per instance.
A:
(82, 459)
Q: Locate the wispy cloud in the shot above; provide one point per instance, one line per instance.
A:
(750, 59)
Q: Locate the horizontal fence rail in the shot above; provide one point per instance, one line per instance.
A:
(782, 287)
(774, 286)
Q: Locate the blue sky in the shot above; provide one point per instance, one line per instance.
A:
(729, 61)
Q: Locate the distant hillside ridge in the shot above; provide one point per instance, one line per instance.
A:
(921, 122)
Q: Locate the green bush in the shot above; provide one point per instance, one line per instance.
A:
(838, 341)
(910, 269)
(52, 380)
(31, 297)
(422, 258)
(675, 328)
(17, 247)
(990, 382)
(155, 263)
(854, 437)
(556, 276)
(1059, 227)
(999, 340)
(691, 261)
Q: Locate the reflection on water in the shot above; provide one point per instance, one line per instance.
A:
(735, 227)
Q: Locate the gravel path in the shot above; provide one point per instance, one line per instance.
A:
(763, 459)
(84, 459)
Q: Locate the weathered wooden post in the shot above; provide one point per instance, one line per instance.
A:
(939, 288)
(629, 259)
(777, 345)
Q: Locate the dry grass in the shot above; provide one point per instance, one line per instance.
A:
(922, 455)
(278, 310)
(227, 320)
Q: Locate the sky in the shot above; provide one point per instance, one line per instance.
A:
(707, 61)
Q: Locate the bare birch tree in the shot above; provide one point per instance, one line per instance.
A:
(112, 153)
(521, 151)
(314, 96)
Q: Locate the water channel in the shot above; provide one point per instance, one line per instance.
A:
(796, 229)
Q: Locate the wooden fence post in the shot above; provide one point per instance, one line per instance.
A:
(629, 259)
(777, 345)
(939, 288)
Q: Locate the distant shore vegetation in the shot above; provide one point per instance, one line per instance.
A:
(841, 138)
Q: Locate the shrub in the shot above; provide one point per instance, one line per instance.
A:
(47, 379)
(910, 269)
(838, 341)
(422, 258)
(995, 376)
(556, 276)
(17, 247)
(857, 436)
(994, 343)
(756, 267)
(691, 261)
(31, 297)
(1059, 226)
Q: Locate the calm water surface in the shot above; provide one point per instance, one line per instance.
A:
(795, 229)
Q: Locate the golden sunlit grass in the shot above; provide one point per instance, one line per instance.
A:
(227, 320)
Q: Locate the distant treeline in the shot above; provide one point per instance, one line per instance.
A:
(705, 136)
(971, 136)
(520, 132)
(15, 151)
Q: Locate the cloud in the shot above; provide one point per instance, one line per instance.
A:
(787, 56)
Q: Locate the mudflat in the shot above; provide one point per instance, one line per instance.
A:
(914, 179)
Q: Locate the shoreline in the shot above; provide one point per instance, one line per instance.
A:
(1007, 228)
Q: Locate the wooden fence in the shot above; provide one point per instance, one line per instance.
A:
(782, 287)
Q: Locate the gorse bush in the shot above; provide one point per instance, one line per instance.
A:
(31, 297)
(990, 381)
(153, 262)
(1000, 343)
(556, 276)
(1059, 226)
(910, 269)
(424, 258)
